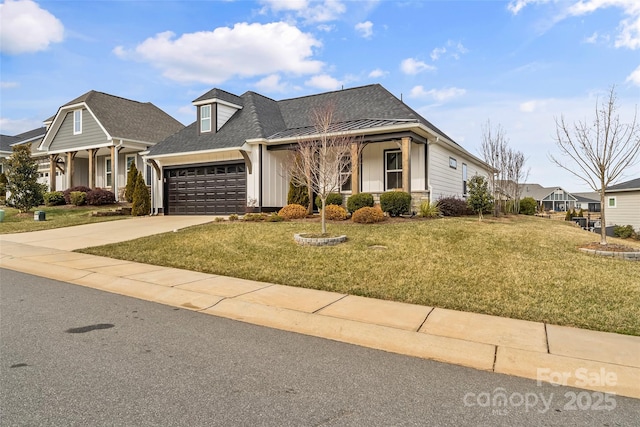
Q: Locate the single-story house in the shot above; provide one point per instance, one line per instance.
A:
(622, 204)
(589, 201)
(95, 138)
(552, 198)
(234, 153)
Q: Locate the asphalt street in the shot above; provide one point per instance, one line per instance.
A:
(76, 356)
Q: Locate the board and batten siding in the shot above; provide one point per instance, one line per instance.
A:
(91, 134)
(373, 166)
(275, 180)
(627, 210)
(446, 181)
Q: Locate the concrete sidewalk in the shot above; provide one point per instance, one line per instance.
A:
(591, 360)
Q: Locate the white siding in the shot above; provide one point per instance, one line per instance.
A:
(446, 181)
(224, 113)
(275, 180)
(627, 210)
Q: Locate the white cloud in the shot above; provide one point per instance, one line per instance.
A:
(324, 82)
(377, 73)
(592, 39)
(629, 27)
(27, 28)
(532, 106)
(365, 29)
(212, 57)
(9, 85)
(325, 27)
(413, 66)
(16, 126)
(309, 11)
(634, 77)
(435, 53)
(439, 95)
(271, 84)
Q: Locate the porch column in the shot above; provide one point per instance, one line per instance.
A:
(53, 161)
(92, 167)
(355, 169)
(70, 156)
(406, 164)
(113, 156)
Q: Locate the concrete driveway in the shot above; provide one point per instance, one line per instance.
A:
(102, 233)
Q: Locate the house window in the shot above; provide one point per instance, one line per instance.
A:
(205, 118)
(464, 179)
(611, 202)
(393, 169)
(453, 163)
(77, 122)
(107, 172)
(131, 160)
(345, 175)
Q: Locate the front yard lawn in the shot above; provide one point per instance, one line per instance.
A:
(56, 217)
(520, 267)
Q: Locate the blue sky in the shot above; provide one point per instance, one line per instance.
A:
(517, 63)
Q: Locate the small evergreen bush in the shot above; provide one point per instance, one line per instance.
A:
(453, 206)
(132, 177)
(332, 199)
(99, 197)
(358, 201)
(623, 231)
(335, 213)
(54, 198)
(78, 198)
(233, 217)
(68, 191)
(395, 202)
(368, 215)
(141, 204)
(429, 210)
(298, 195)
(528, 206)
(274, 217)
(293, 211)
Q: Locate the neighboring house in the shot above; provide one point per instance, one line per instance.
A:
(5, 149)
(552, 198)
(93, 140)
(34, 137)
(622, 204)
(236, 151)
(589, 202)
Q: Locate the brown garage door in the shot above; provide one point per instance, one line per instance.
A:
(219, 189)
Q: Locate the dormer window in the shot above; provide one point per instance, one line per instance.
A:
(205, 118)
(77, 122)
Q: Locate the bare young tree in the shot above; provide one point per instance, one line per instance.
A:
(319, 162)
(508, 164)
(599, 152)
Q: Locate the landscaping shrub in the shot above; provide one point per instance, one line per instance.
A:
(274, 217)
(132, 178)
(233, 217)
(429, 210)
(528, 206)
(623, 231)
(332, 199)
(453, 206)
(570, 215)
(141, 204)
(54, 198)
(253, 217)
(368, 215)
(293, 211)
(68, 191)
(581, 213)
(335, 213)
(78, 198)
(3, 186)
(395, 202)
(298, 195)
(358, 201)
(99, 197)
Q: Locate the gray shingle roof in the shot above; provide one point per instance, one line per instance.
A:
(6, 141)
(261, 117)
(31, 134)
(127, 119)
(220, 94)
(634, 184)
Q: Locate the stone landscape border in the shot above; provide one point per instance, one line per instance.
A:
(319, 241)
(631, 256)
